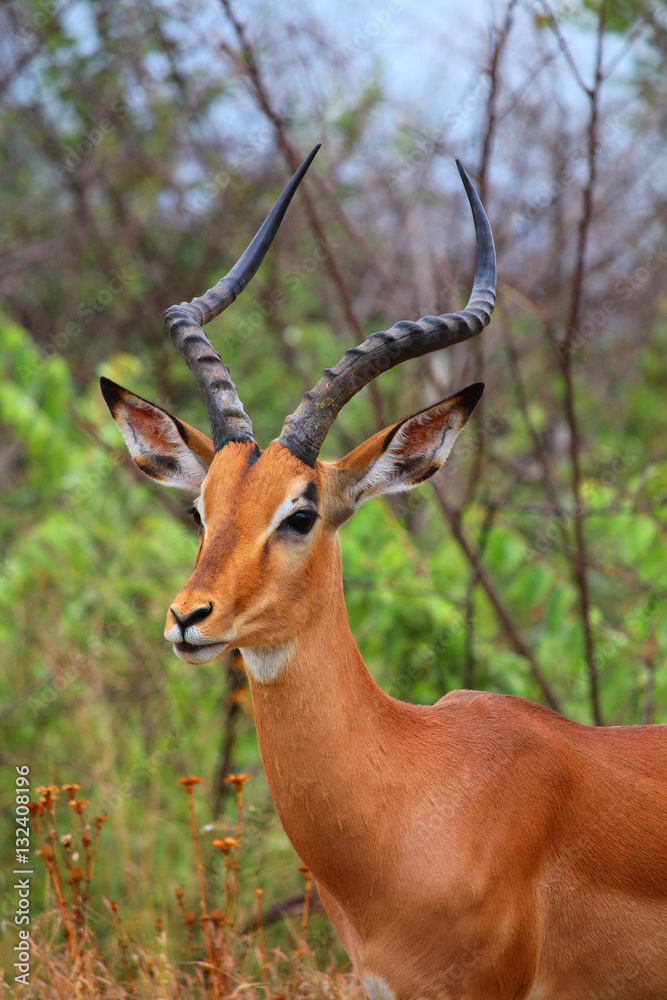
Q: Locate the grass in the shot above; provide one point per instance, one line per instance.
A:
(81, 949)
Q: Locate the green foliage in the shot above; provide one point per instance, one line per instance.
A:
(131, 178)
(92, 556)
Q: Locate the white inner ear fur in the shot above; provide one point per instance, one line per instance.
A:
(393, 471)
(153, 434)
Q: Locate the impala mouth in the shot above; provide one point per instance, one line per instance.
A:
(200, 653)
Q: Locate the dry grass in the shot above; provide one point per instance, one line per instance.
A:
(208, 957)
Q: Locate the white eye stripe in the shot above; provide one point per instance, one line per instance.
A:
(198, 504)
(285, 509)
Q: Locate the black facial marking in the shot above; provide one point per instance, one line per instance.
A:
(311, 493)
(254, 454)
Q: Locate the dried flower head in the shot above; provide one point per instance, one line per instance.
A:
(66, 840)
(190, 918)
(259, 893)
(86, 837)
(76, 873)
(78, 804)
(179, 893)
(49, 794)
(217, 916)
(226, 844)
(100, 820)
(189, 782)
(237, 780)
(71, 789)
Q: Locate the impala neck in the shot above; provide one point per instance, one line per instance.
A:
(324, 729)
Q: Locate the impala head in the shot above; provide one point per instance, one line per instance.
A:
(267, 520)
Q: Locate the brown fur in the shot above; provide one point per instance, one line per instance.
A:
(483, 848)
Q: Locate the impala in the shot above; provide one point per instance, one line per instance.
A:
(483, 847)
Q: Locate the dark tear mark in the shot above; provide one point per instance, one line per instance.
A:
(311, 493)
(264, 555)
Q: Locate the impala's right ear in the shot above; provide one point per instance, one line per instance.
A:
(165, 448)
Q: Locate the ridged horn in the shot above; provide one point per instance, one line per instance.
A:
(228, 419)
(305, 430)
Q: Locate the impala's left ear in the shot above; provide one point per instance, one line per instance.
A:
(405, 454)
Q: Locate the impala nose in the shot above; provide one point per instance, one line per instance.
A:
(193, 616)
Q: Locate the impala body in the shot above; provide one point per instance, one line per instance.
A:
(483, 847)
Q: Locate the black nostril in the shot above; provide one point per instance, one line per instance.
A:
(193, 616)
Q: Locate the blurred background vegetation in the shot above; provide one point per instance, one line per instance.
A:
(142, 146)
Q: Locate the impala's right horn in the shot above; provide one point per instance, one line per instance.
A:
(228, 419)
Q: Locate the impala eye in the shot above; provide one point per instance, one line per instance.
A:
(302, 521)
(196, 516)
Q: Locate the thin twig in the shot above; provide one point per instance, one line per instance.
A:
(565, 355)
(249, 69)
(473, 580)
(501, 610)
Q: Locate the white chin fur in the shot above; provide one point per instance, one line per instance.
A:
(266, 663)
(202, 654)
